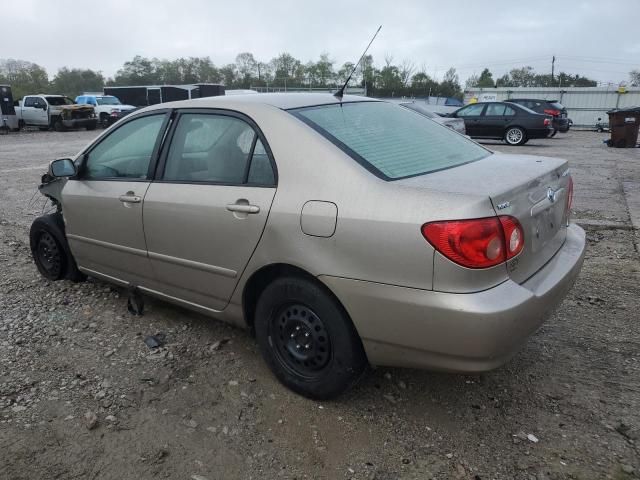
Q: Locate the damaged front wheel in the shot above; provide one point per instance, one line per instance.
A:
(50, 249)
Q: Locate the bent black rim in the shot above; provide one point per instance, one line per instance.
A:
(300, 340)
(49, 255)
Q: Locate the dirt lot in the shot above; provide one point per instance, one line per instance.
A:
(206, 407)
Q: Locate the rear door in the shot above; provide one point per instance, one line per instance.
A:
(471, 115)
(103, 203)
(207, 209)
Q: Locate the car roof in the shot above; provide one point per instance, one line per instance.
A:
(284, 101)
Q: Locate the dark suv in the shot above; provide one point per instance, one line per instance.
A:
(561, 121)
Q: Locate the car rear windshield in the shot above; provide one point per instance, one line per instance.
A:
(390, 141)
(556, 105)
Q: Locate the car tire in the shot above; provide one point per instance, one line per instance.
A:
(553, 134)
(307, 338)
(50, 249)
(91, 127)
(104, 120)
(515, 136)
(58, 126)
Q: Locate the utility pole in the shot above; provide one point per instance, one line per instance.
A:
(553, 64)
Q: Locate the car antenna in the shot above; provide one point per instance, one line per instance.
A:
(340, 93)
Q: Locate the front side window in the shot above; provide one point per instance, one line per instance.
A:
(215, 149)
(125, 153)
(30, 101)
(391, 141)
(471, 111)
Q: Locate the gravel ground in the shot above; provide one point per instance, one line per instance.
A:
(82, 396)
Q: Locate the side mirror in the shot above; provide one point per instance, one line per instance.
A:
(62, 167)
(44, 107)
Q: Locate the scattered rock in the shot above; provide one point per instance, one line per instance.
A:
(532, 438)
(90, 420)
(155, 341)
(627, 469)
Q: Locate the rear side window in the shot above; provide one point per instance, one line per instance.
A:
(217, 149)
(30, 101)
(390, 141)
(495, 109)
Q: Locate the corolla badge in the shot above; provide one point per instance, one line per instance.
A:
(551, 194)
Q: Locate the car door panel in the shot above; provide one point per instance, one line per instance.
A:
(203, 218)
(198, 247)
(471, 114)
(105, 234)
(102, 205)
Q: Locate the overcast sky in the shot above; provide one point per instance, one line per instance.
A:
(598, 39)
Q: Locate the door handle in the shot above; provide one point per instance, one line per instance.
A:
(243, 208)
(130, 197)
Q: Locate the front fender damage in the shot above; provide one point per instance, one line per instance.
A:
(51, 187)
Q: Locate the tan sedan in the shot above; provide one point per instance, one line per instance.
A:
(342, 233)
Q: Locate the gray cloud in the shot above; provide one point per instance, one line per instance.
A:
(593, 38)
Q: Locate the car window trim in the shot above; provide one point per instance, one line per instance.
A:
(162, 162)
(154, 153)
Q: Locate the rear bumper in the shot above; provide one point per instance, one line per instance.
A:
(539, 132)
(471, 332)
(80, 122)
(561, 124)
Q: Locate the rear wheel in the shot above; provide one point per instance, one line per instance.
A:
(104, 120)
(307, 339)
(553, 134)
(515, 136)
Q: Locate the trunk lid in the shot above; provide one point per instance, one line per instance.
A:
(532, 189)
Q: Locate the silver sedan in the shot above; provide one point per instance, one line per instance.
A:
(342, 233)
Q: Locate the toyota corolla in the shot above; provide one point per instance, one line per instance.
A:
(341, 232)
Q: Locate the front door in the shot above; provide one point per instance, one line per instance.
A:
(103, 205)
(204, 215)
(471, 116)
(34, 111)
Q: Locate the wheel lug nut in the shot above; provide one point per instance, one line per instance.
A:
(306, 334)
(298, 347)
(297, 328)
(293, 335)
(307, 346)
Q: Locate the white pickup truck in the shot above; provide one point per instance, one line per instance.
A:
(54, 111)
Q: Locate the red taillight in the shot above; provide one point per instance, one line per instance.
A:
(547, 122)
(550, 111)
(477, 243)
(513, 235)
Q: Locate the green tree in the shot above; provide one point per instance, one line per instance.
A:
(24, 77)
(247, 68)
(486, 79)
(139, 71)
(73, 82)
(450, 85)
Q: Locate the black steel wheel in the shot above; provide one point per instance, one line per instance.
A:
(307, 338)
(301, 340)
(50, 250)
(49, 257)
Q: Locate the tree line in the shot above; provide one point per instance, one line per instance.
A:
(390, 79)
